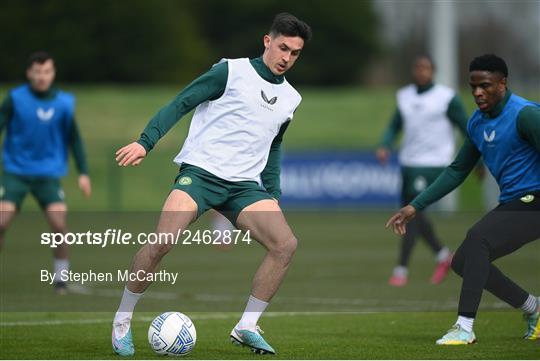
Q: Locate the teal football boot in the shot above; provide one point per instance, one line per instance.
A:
(253, 340)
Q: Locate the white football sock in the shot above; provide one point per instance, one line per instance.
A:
(530, 306)
(123, 316)
(252, 313)
(443, 254)
(465, 323)
(59, 266)
(400, 271)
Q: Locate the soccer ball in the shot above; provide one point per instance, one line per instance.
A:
(172, 334)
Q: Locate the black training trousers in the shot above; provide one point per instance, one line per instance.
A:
(500, 232)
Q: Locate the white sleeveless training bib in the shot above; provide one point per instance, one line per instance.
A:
(230, 137)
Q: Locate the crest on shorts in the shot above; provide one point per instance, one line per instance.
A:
(271, 101)
(185, 181)
(527, 199)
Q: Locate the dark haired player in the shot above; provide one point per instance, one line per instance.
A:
(41, 127)
(230, 162)
(505, 131)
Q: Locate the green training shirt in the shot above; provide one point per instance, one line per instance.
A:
(211, 86)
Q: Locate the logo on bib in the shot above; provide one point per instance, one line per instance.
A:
(185, 181)
(45, 115)
(527, 199)
(489, 138)
(269, 101)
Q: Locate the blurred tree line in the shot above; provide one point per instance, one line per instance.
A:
(174, 41)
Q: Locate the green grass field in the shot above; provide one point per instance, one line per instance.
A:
(334, 304)
(298, 336)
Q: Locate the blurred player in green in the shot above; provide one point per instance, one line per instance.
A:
(426, 113)
(505, 132)
(230, 162)
(40, 129)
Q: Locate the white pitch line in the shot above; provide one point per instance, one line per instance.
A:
(211, 316)
(373, 305)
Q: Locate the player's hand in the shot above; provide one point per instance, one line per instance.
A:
(131, 154)
(399, 220)
(85, 185)
(382, 155)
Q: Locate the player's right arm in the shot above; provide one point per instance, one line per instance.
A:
(389, 137)
(449, 180)
(209, 86)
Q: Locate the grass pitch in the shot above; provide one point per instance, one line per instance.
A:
(334, 304)
(386, 335)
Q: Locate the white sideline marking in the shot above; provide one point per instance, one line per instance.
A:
(212, 316)
(372, 305)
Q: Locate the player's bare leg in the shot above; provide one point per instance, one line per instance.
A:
(56, 217)
(7, 213)
(268, 226)
(178, 212)
(266, 223)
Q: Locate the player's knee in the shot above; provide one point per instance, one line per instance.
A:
(458, 262)
(285, 249)
(157, 251)
(59, 228)
(473, 241)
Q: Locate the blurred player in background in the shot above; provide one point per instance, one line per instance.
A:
(425, 114)
(230, 162)
(41, 128)
(505, 131)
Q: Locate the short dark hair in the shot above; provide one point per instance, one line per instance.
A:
(489, 62)
(424, 56)
(38, 57)
(289, 25)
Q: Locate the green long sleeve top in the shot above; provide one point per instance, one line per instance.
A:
(456, 114)
(211, 86)
(528, 126)
(75, 141)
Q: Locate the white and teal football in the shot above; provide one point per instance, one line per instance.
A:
(172, 334)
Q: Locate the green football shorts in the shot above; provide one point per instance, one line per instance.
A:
(209, 191)
(46, 190)
(415, 180)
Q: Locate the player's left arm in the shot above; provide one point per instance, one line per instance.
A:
(270, 175)
(457, 115)
(77, 148)
(528, 125)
